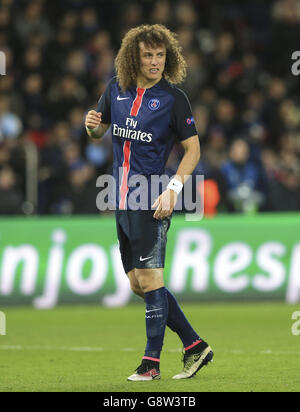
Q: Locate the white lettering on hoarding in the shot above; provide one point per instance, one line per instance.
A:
(2, 324)
(293, 288)
(296, 325)
(192, 249)
(53, 272)
(230, 261)
(91, 284)
(123, 291)
(275, 269)
(26, 256)
(196, 262)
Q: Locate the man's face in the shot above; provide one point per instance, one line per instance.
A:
(152, 62)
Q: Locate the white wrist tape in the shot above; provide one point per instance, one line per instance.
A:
(95, 129)
(175, 185)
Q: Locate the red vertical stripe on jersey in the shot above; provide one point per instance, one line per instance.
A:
(137, 102)
(126, 150)
(126, 167)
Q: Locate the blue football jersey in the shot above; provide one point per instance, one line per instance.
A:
(145, 124)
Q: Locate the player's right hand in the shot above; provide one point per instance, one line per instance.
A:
(93, 119)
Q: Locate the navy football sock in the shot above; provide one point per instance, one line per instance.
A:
(179, 323)
(156, 321)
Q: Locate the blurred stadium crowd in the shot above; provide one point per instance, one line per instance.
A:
(245, 100)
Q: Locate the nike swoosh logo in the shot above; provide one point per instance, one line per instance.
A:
(122, 98)
(197, 357)
(153, 310)
(146, 258)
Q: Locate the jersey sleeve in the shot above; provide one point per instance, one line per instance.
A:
(182, 121)
(103, 105)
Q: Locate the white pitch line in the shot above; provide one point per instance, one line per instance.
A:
(74, 349)
(62, 348)
(98, 349)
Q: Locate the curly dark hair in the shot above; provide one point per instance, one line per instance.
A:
(127, 62)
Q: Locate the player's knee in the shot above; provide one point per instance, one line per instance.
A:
(144, 285)
(149, 279)
(148, 285)
(137, 290)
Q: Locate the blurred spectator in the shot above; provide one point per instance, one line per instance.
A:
(242, 178)
(285, 31)
(7, 89)
(34, 101)
(53, 170)
(76, 121)
(88, 22)
(131, 15)
(225, 117)
(82, 191)
(72, 156)
(276, 93)
(285, 185)
(11, 198)
(196, 74)
(65, 95)
(31, 20)
(162, 13)
(32, 61)
(285, 192)
(215, 151)
(10, 123)
(186, 14)
(76, 64)
(98, 154)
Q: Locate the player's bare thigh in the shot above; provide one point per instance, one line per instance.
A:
(145, 280)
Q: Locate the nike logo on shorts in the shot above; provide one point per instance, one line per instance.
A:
(122, 98)
(153, 310)
(146, 258)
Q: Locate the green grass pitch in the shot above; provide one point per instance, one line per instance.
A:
(89, 348)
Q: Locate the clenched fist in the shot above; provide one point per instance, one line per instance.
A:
(93, 119)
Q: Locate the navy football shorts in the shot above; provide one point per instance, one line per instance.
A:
(142, 239)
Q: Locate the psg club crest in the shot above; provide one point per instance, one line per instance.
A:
(190, 120)
(154, 104)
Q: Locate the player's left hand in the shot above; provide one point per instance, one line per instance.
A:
(165, 204)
